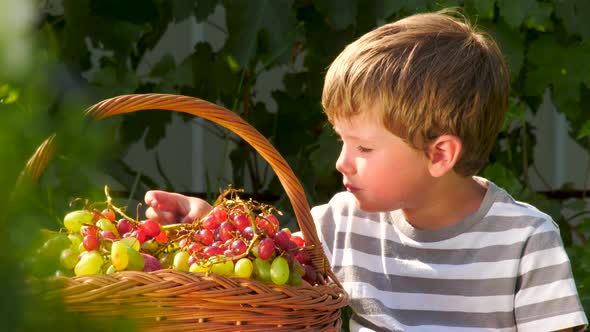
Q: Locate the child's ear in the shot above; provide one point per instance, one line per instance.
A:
(443, 154)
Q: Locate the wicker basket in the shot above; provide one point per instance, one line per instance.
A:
(169, 300)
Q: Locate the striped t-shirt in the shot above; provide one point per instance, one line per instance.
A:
(503, 268)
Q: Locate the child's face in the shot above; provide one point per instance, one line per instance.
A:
(380, 169)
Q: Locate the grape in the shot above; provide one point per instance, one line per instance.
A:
(279, 270)
(90, 263)
(210, 222)
(151, 263)
(224, 268)
(266, 248)
(205, 236)
(248, 233)
(298, 240)
(243, 268)
(107, 225)
(303, 257)
(76, 240)
(111, 269)
(194, 247)
(90, 242)
(181, 261)
(131, 242)
(219, 213)
(198, 268)
(108, 235)
(282, 240)
(241, 220)
(162, 237)
(310, 274)
(294, 279)
(238, 247)
(212, 251)
(74, 220)
(68, 258)
(109, 214)
(136, 260)
(53, 247)
(119, 255)
(151, 228)
(262, 269)
(150, 245)
(88, 230)
(123, 226)
(226, 231)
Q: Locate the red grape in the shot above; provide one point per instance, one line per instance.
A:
(298, 240)
(238, 247)
(123, 226)
(266, 248)
(220, 213)
(109, 214)
(205, 236)
(282, 240)
(90, 242)
(226, 231)
(213, 251)
(241, 220)
(210, 222)
(151, 228)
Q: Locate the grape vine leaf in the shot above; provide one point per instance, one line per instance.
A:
(574, 15)
(182, 9)
(340, 13)
(482, 8)
(515, 12)
(584, 130)
(561, 67)
(247, 19)
(511, 43)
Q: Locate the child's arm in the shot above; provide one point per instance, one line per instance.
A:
(167, 208)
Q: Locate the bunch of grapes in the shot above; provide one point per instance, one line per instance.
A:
(238, 238)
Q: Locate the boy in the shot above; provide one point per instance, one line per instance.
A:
(417, 240)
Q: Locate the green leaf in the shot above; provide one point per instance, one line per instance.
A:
(8, 95)
(247, 19)
(561, 67)
(511, 43)
(503, 177)
(514, 12)
(483, 8)
(164, 66)
(340, 13)
(539, 17)
(324, 157)
(574, 16)
(584, 131)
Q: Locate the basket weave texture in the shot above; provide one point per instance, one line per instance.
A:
(170, 300)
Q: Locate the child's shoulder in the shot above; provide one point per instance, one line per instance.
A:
(504, 205)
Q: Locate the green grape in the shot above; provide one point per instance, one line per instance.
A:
(294, 279)
(119, 255)
(111, 269)
(131, 242)
(90, 263)
(150, 245)
(262, 269)
(136, 260)
(181, 261)
(76, 240)
(68, 258)
(107, 225)
(199, 268)
(224, 268)
(54, 246)
(167, 259)
(74, 220)
(243, 268)
(279, 270)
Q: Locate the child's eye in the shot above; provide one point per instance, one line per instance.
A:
(363, 149)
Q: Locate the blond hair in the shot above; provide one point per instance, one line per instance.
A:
(432, 74)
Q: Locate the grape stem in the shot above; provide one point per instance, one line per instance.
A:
(114, 207)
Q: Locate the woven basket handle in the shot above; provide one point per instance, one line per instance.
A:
(222, 116)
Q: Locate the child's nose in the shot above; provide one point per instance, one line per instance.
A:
(343, 164)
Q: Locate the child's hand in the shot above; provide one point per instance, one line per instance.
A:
(168, 208)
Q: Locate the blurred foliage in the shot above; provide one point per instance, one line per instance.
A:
(59, 56)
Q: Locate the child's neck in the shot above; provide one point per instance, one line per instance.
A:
(449, 201)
